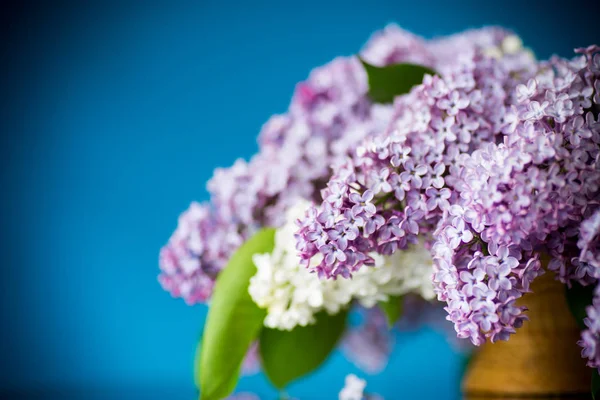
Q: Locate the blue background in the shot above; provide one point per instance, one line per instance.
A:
(113, 117)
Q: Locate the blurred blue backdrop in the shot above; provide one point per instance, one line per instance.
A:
(113, 117)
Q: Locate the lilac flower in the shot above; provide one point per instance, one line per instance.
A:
(341, 233)
(464, 127)
(534, 189)
(535, 110)
(578, 130)
(336, 194)
(399, 187)
(437, 198)
(354, 220)
(412, 174)
(445, 127)
(328, 215)
(499, 276)
(526, 91)
(590, 337)
(532, 270)
(508, 311)
(436, 179)
(472, 280)
(391, 229)
(362, 203)
(190, 261)
(454, 103)
(318, 237)
(373, 224)
(401, 181)
(581, 95)
(380, 181)
(458, 234)
(485, 316)
(492, 163)
(332, 253)
(330, 114)
(400, 156)
(411, 218)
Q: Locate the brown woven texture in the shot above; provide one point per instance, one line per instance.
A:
(542, 360)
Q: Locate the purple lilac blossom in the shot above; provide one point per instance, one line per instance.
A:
(590, 337)
(369, 344)
(442, 118)
(518, 147)
(328, 116)
(589, 243)
(192, 259)
(533, 192)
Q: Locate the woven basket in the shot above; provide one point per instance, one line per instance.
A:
(542, 360)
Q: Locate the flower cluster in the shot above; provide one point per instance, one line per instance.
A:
(293, 295)
(329, 115)
(394, 189)
(589, 243)
(590, 337)
(196, 251)
(535, 192)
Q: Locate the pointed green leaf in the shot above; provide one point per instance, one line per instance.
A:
(595, 385)
(578, 298)
(385, 83)
(392, 309)
(234, 321)
(289, 355)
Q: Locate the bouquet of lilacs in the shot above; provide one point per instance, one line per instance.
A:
(493, 167)
(448, 167)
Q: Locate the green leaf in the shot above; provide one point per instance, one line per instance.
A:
(578, 298)
(595, 384)
(392, 309)
(234, 321)
(385, 83)
(289, 355)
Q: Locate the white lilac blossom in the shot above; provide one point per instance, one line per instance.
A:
(329, 115)
(353, 389)
(533, 193)
(394, 190)
(293, 295)
(290, 294)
